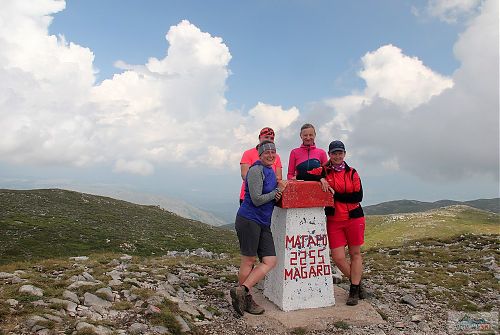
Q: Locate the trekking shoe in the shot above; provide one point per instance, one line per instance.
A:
(337, 278)
(362, 291)
(252, 307)
(352, 300)
(238, 301)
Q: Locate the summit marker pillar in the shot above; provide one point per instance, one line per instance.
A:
(302, 277)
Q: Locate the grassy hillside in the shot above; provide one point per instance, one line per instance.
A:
(54, 223)
(57, 223)
(444, 223)
(492, 205)
(414, 206)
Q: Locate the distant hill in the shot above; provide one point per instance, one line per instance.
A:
(482, 208)
(120, 192)
(438, 224)
(176, 206)
(414, 206)
(53, 222)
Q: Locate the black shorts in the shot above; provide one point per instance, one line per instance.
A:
(255, 239)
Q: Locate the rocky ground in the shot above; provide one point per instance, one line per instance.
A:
(412, 288)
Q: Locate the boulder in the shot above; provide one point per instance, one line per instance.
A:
(93, 300)
(32, 290)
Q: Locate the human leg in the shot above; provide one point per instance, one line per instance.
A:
(338, 257)
(355, 270)
(267, 255)
(260, 271)
(337, 241)
(355, 232)
(356, 264)
(248, 236)
(355, 238)
(246, 265)
(254, 240)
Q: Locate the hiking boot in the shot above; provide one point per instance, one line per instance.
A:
(352, 300)
(362, 291)
(337, 278)
(252, 307)
(238, 301)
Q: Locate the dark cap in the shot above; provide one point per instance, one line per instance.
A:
(336, 146)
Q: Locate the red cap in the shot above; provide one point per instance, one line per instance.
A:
(266, 132)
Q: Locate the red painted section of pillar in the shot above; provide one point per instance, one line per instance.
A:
(303, 194)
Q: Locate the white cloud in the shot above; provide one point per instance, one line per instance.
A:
(403, 80)
(451, 10)
(264, 114)
(389, 75)
(170, 109)
(413, 119)
(44, 85)
(345, 108)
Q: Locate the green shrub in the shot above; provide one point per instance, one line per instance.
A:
(341, 325)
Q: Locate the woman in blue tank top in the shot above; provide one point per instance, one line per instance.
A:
(252, 224)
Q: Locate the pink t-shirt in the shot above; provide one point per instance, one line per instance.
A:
(251, 156)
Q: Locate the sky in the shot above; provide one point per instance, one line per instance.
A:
(163, 97)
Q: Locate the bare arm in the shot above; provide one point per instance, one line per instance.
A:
(244, 170)
(279, 173)
(291, 166)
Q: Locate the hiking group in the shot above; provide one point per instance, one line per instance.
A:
(262, 187)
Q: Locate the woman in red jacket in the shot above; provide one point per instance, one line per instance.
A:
(345, 221)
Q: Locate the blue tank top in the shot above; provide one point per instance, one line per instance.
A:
(260, 214)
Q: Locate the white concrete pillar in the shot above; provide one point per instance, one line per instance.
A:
(302, 277)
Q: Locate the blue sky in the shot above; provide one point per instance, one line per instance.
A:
(94, 93)
(291, 52)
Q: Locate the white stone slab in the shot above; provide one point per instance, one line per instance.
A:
(302, 277)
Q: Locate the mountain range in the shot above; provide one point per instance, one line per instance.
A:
(414, 206)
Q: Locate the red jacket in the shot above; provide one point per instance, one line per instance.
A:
(348, 192)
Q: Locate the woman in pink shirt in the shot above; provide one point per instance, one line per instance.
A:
(307, 156)
(251, 156)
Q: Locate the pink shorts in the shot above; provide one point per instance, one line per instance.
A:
(349, 232)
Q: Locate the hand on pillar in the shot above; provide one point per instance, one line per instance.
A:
(277, 197)
(325, 186)
(281, 187)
